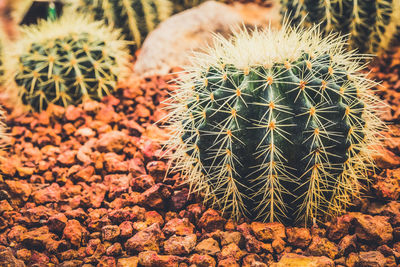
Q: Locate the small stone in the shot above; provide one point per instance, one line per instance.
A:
(253, 260)
(126, 229)
(128, 262)
(231, 251)
(179, 199)
(348, 244)
(114, 250)
(48, 194)
(373, 228)
(7, 259)
(113, 141)
(208, 246)
(211, 221)
(155, 197)
(371, 259)
(340, 227)
(147, 239)
(231, 237)
(323, 247)
(291, 259)
(261, 231)
(299, 237)
(142, 183)
(202, 260)
(180, 245)
(75, 233)
(110, 232)
(72, 113)
(67, 157)
(278, 245)
(228, 262)
(57, 222)
(178, 226)
(152, 259)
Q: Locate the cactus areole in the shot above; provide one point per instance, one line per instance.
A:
(275, 125)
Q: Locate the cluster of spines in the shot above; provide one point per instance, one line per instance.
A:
(136, 18)
(270, 136)
(372, 25)
(67, 61)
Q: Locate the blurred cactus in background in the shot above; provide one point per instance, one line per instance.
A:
(66, 61)
(275, 125)
(372, 24)
(136, 18)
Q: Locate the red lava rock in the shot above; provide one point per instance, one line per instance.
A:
(253, 260)
(114, 250)
(147, 239)
(348, 244)
(126, 229)
(202, 260)
(387, 185)
(152, 259)
(75, 233)
(67, 158)
(37, 238)
(7, 258)
(371, 259)
(261, 231)
(142, 183)
(73, 113)
(211, 221)
(291, 259)
(118, 184)
(179, 199)
(228, 262)
(208, 246)
(231, 251)
(128, 262)
(157, 169)
(373, 228)
(18, 189)
(113, 141)
(156, 196)
(231, 237)
(110, 232)
(278, 245)
(57, 223)
(340, 226)
(178, 227)
(323, 247)
(48, 194)
(180, 245)
(299, 237)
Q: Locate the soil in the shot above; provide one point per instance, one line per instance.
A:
(88, 186)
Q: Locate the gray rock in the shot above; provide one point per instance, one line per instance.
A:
(170, 44)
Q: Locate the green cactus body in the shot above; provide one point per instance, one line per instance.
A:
(136, 18)
(66, 61)
(275, 125)
(372, 24)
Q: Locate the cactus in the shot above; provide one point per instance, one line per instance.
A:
(136, 18)
(180, 5)
(66, 61)
(372, 24)
(275, 125)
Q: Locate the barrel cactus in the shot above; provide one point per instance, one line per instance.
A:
(66, 61)
(275, 125)
(136, 18)
(372, 24)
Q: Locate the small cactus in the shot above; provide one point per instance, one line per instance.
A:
(66, 61)
(136, 18)
(372, 24)
(275, 125)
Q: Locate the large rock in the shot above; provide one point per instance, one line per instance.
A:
(7, 259)
(192, 29)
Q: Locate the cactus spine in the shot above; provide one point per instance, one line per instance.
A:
(136, 18)
(275, 125)
(372, 24)
(66, 61)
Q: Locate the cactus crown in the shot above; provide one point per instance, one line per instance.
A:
(136, 18)
(372, 24)
(275, 124)
(66, 61)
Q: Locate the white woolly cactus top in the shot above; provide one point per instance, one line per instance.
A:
(275, 124)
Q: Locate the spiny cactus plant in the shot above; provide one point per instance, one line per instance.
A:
(180, 5)
(372, 24)
(66, 61)
(136, 18)
(275, 125)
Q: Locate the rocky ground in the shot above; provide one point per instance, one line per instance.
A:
(84, 186)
